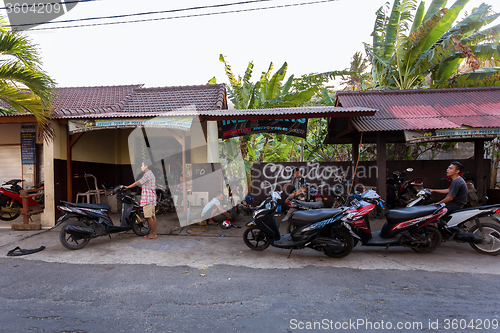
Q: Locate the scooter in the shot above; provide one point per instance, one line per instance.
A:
(410, 227)
(11, 201)
(322, 230)
(482, 237)
(92, 220)
(401, 192)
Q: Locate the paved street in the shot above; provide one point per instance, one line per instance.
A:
(130, 284)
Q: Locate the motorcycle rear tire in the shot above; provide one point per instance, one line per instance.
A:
(377, 212)
(69, 241)
(493, 231)
(4, 216)
(345, 237)
(140, 225)
(256, 235)
(436, 239)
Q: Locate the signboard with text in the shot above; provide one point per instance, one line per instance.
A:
(293, 127)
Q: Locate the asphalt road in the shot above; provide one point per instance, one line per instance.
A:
(128, 284)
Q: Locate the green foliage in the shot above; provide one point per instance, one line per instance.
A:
(24, 86)
(402, 56)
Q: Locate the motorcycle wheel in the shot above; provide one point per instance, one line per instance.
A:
(436, 239)
(6, 216)
(140, 225)
(377, 212)
(71, 242)
(491, 245)
(343, 236)
(256, 239)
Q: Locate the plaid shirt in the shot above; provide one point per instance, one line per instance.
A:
(148, 192)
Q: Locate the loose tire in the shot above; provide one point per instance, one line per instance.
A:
(72, 242)
(256, 239)
(343, 236)
(6, 216)
(140, 225)
(491, 240)
(435, 236)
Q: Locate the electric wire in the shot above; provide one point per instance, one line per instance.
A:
(185, 16)
(145, 13)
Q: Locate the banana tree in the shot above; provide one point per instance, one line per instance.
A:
(407, 47)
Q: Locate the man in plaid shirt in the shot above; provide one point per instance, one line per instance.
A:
(148, 196)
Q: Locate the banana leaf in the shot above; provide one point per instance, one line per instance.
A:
(274, 86)
(287, 86)
(391, 31)
(291, 100)
(434, 8)
(419, 15)
(487, 51)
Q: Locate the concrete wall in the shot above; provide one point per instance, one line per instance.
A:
(10, 134)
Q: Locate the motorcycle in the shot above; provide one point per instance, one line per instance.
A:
(311, 198)
(92, 220)
(401, 192)
(320, 230)
(482, 237)
(164, 200)
(410, 227)
(11, 201)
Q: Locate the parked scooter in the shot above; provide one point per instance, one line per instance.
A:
(401, 192)
(322, 230)
(465, 226)
(296, 205)
(11, 201)
(164, 200)
(92, 220)
(410, 227)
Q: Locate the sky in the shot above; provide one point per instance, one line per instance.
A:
(185, 51)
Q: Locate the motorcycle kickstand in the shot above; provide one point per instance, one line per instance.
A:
(386, 250)
(289, 254)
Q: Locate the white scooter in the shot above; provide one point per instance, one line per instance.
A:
(464, 226)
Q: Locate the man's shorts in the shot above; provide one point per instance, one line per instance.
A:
(149, 211)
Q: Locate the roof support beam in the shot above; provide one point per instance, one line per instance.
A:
(381, 164)
(480, 164)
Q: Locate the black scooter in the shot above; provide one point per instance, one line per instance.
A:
(92, 220)
(320, 229)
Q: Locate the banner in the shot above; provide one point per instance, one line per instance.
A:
(456, 134)
(293, 127)
(84, 125)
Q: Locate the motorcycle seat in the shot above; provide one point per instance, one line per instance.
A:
(305, 217)
(310, 205)
(86, 205)
(395, 216)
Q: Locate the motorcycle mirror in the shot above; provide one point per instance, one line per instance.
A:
(409, 170)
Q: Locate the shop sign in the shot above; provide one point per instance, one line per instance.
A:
(293, 127)
(84, 125)
(28, 141)
(457, 134)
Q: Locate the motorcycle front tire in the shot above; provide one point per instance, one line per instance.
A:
(140, 225)
(492, 232)
(71, 242)
(253, 236)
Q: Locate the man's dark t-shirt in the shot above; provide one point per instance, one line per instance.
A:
(298, 183)
(458, 190)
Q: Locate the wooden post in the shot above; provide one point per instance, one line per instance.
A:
(480, 166)
(70, 142)
(381, 165)
(183, 144)
(355, 155)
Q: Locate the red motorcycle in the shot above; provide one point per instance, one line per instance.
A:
(11, 201)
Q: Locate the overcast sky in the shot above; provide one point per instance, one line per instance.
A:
(185, 51)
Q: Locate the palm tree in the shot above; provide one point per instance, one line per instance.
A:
(24, 86)
(407, 48)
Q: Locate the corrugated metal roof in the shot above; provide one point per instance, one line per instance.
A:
(425, 108)
(306, 112)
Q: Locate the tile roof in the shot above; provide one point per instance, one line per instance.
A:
(134, 101)
(425, 108)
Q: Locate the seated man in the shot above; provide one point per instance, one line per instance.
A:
(456, 194)
(213, 209)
